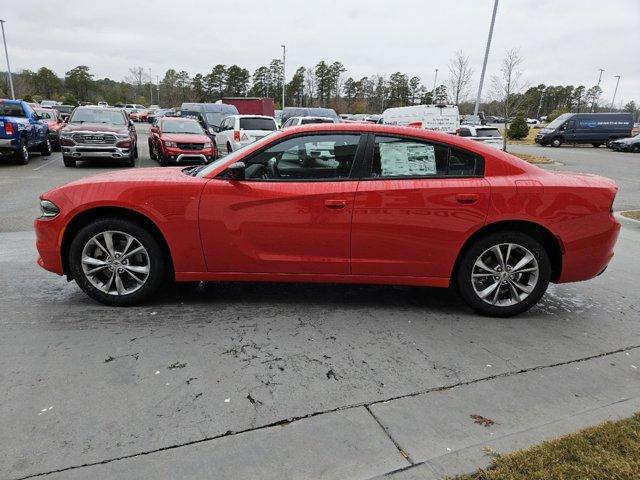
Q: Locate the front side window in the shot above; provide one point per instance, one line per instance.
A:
(309, 157)
(45, 115)
(395, 157)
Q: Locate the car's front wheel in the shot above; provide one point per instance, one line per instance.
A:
(116, 262)
(504, 274)
(556, 142)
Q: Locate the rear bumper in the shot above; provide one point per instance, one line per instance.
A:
(7, 144)
(587, 257)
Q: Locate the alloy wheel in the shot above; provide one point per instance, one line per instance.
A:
(505, 274)
(116, 263)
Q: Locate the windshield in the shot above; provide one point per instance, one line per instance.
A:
(558, 121)
(181, 126)
(214, 118)
(97, 115)
(306, 121)
(487, 132)
(257, 123)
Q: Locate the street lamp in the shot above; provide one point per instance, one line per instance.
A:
(150, 88)
(593, 104)
(433, 95)
(284, 60)
(6, 53)
(486, 57)
(615, 91)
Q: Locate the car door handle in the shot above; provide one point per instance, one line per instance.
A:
(335, 204)
(467, 198)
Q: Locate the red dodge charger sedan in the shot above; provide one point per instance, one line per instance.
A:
(345, 203)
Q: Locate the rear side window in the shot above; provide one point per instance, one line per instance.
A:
(465, 132)
(488, 132)
(395, 157)
(257, 124)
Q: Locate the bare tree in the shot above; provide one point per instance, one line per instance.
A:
(507, 87)
(459, 77)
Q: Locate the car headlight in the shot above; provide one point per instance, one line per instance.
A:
(48, 209)
(207, 145)
(167, 143)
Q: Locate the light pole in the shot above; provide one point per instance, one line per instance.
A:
(158, 85)
(433, 95)
(593, 104)
(615, 91)
(150, 88)
(486, 57)
(6, 53)
(284, 63)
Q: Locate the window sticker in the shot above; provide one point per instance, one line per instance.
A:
(407, 159)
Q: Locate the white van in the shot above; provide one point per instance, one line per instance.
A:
(444, 118)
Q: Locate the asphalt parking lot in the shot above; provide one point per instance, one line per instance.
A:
(277, 381)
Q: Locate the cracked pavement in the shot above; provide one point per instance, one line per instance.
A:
(296, 380)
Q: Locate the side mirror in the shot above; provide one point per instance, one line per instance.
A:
(130, 123)
(236, 171)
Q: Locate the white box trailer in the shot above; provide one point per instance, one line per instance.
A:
(443, 118)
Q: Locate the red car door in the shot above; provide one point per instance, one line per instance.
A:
(416, 209)
(292, 212)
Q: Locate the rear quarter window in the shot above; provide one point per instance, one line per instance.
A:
(257, 124)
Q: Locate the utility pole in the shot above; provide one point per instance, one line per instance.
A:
(593, 104)
(540, 104)
(284, 82)
(615, 91)
(433, 95)
(150, 88)
(6, 53)
(158, 85)
(486, 57)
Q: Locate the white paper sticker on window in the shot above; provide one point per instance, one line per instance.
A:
(407, 159)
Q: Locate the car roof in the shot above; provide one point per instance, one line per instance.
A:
(251, 116)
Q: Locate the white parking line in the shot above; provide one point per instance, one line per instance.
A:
(47, 163)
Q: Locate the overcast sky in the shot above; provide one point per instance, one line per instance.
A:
(562, 42)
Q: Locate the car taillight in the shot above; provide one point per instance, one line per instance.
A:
(236, 135)
(8, 129)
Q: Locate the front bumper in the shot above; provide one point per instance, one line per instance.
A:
(186, 157)
(95, 151)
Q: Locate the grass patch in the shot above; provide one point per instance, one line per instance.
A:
(609, 451)
(528, 157)
(633, 214)
(528, 140)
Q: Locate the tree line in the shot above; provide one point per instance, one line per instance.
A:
(325, 84)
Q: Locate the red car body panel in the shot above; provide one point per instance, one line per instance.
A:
(393, 231)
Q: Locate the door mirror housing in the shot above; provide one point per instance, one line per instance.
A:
(236, 171)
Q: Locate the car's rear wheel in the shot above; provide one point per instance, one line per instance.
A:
(596, 145)
(229, 149)
(21, 155)
(635, 148)
(504, 274)
(556, 142)
(116, 262)
(45, 148)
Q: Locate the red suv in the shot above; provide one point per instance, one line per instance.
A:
(181, 141)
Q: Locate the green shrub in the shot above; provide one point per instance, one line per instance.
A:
(518, 128)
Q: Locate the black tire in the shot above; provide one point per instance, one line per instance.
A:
(635, 148)
(130, 160)
(45, 148)
(596, 145)
(556, 142)
(162, 160)
(229, 150)
(152, 154)
(135, 151)
(215, 151)
(468, 260)
(21, 155)
(68, 162)
(610, 141)
(145, 238)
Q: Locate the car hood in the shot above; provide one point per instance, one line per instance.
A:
(627, 140)
(95, 127)
(185, 138)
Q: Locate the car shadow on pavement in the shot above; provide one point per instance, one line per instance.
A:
(329, 295)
